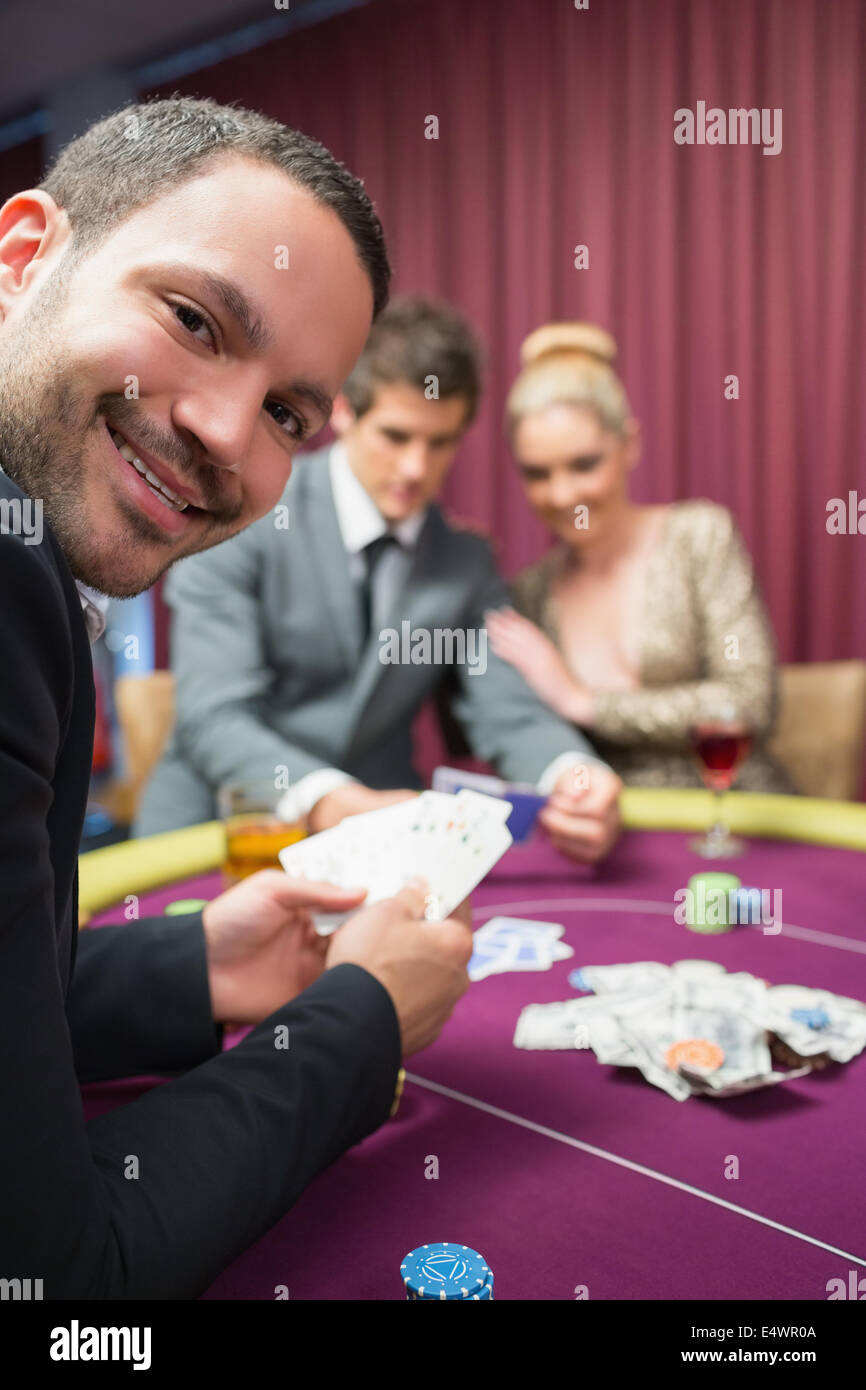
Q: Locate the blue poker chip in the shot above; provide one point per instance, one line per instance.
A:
(485, 1294)
(446, 1271)
(813, 1018)
(578, 980)
(749, 904)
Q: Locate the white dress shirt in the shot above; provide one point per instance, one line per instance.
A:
(360, 523)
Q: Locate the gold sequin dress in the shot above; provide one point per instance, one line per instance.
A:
(706, 640)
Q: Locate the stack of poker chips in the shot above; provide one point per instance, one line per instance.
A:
(446, 1271)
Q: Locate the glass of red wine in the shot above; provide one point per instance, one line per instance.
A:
(720, 746)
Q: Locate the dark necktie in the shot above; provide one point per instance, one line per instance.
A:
(371, 555)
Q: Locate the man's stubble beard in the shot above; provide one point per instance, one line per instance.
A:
(45, 426)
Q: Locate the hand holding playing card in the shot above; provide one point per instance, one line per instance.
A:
(582, 813)
(450, 841)
(262, 946)
(421, 964)
(463, 912)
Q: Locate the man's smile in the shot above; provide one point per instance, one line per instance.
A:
(153, 486)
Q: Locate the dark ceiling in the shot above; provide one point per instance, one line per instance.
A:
(50, 46)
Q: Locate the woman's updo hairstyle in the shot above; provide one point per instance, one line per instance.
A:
(568, 364)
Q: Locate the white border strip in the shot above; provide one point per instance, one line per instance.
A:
(627, 1163)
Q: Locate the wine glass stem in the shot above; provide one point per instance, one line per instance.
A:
(718, 830)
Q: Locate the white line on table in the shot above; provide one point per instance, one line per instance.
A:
(627, 1163)
(840, 943)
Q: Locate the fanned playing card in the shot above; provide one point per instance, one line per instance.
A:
(524, 800)
(506, 944)
(450, 841)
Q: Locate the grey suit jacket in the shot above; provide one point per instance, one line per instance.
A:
(271, 671)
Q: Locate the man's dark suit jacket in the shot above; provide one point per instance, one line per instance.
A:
(222, 1150)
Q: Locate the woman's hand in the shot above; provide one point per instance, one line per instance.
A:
(518, 641)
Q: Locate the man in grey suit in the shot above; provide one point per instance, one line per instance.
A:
(304, 647)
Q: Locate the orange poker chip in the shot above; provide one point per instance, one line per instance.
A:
(696, 1053)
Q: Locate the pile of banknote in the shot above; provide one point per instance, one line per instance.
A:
(692, 1028)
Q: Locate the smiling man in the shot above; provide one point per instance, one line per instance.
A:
(179, 302)
(179, 378)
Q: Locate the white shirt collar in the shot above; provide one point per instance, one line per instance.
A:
(360, 519)
(94, 605)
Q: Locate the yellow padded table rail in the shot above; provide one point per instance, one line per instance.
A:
(107, 876)
(803, 818)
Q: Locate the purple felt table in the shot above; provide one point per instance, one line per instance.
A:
(568, 1174)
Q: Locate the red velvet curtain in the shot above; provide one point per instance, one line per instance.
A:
(556, 129)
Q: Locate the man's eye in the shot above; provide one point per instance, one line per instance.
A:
(288, 420)
(194, 322)
(587, 463)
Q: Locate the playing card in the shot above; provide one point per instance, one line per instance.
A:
(472, 842)
(493, 956)
(450, 841)
(524, 925)
(345, 860)
(510, 943)
(523, 801)
(535, 953)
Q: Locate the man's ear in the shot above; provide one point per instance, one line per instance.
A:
(342, 415)
(32, 230)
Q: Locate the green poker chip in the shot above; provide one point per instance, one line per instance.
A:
(709, 902)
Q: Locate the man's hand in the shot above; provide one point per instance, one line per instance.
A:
(582, 813)
(541, 664)
(350, 800)
(421, 964)
(262, 947)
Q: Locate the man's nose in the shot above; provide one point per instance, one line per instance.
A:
(414, 463)
(223, 423)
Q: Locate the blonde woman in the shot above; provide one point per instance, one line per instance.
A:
(643, 621)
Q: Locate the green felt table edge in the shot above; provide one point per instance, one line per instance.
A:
(107, 876)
